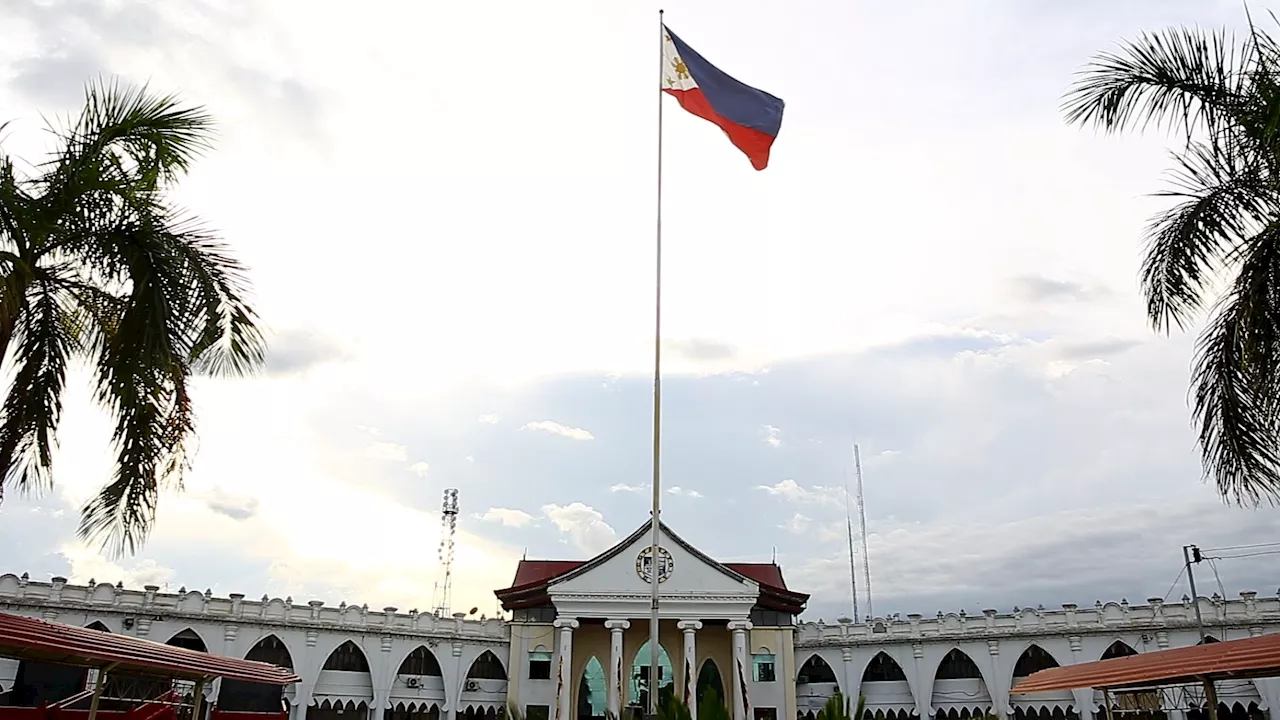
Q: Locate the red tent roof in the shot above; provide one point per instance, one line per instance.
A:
(27, 638)
(1248, 658)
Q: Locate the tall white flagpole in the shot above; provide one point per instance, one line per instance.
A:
(654, 559)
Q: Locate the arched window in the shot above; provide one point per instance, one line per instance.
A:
(815, 670)
(883, 668)
(1118, 649)
(421, 662)
(1033, 659)
(347, 657)
(188, 639)
(958, 666)
(487, 667)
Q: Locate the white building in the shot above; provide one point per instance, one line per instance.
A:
(575, 646)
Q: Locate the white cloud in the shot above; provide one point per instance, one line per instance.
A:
(623, 487)
(556, 428)
(506, 516)
(86, 564)
(797, 524)
(490, 418)
(771, 434)
(686, 492)
(388, 451)
(584, 525)
(421, 469)
(794, 492)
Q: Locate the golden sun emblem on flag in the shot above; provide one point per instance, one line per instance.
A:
(681, 70)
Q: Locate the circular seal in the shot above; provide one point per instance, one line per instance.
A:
(666, 565)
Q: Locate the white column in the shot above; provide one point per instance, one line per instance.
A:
(689, 628)
(739, 629)
(615, 628)
(564, 664)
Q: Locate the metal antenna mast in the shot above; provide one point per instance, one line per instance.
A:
(853, 569)
(862, 521)
(448, 529)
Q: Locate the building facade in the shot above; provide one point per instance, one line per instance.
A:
(576, 646)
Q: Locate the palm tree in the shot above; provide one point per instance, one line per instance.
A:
(97, 267)
(1221, 237)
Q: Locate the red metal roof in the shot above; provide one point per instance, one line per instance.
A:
(29, 638)
(528, 588)
(1248, 658)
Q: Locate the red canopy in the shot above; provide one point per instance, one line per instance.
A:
(1235, 659)
(27, 638)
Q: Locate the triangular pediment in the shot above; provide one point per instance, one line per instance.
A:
(625, 567)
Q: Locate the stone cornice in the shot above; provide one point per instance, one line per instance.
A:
(103, 599)
(1109, 618)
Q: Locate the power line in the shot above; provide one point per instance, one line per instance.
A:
(1181, 572)
(1247, 555)
(1243, 547)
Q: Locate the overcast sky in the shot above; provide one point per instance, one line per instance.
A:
(449, 213)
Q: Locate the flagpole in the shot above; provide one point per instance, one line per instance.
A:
(654, 559)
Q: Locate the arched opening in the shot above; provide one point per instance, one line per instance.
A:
(885, 686)
(640, 676)
(1118, 649)
(97, 625)
(1207, 639)
(421, 663)
(241, 696)
(344, 688)
(958, 688)
(592, 687)
(1033, 659)
(347, 657)
(815, 682)
(710, 686)
(487, 667)
(1044, 713)
(188, 639)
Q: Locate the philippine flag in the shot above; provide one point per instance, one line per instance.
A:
(750, 117)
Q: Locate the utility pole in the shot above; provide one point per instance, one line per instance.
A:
(1191, 554)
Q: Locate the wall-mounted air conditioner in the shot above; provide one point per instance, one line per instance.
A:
(413, 682)
(472, 685)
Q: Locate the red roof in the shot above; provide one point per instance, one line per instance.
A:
(528, 588)
(29, 638)
(1248, 658)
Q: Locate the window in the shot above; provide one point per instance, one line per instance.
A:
(958, 666)
(763, 713)
(347, 658)
(487, 667)
(535, 615)
(537, 712)
(771, 618)
(762, 668)
(420, 662)
(539, 669)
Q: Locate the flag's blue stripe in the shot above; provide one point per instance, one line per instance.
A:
(736, 102)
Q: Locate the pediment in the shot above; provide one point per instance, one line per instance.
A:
(619, 570)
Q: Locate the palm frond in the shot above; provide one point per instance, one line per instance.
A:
(1179, 78)
(1236, 380)
(45, 341)
(1224, 200)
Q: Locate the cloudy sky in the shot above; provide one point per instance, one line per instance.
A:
(449, 211)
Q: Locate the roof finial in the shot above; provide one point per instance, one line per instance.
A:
(525, 556)
(775, 554)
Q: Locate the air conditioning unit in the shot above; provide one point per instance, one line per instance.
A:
(472, 685)
(413, 682)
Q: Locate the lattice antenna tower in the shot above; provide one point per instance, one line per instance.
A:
(448, 530)
(862, 522)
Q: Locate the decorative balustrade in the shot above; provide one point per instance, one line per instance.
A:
(1247, 612)
(22, 591)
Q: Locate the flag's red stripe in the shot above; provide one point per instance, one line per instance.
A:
(753, 143)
